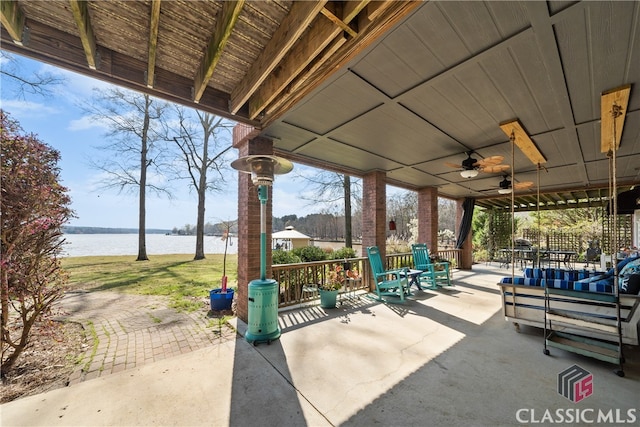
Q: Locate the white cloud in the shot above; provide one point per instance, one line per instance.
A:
(78, 87)
(87, 122)
(20, 108)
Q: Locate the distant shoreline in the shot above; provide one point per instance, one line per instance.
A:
(109, 230)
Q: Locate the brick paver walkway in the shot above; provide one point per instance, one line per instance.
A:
(127, 331)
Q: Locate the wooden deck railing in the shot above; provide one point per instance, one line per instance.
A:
(452, 255)
(297, 281)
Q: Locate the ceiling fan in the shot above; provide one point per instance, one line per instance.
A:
(470, 166)
(506, 185)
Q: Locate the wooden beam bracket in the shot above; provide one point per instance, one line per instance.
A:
(613, 111)
(12, 20)
(83, 21)
(523, 141)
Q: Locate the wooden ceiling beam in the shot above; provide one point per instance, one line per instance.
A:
(154, 24)
(387, 14)
(224, 25)
(312, 48)
(339, 22)
(613, 103)
(351, 9)
(311, 45)
(300, 16)
(12, 20)
(83, 22)
(523, 141)
(328, 52)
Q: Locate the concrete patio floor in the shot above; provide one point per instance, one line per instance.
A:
(445, 358)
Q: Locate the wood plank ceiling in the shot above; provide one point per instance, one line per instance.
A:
(355, 86)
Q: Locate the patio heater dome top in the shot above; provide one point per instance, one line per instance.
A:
(262, 167)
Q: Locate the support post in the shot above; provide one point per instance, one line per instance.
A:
(374, 211)
(249, 231)
(428, 217)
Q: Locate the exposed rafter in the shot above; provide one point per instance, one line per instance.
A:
(13, 20)
(310, 49)
(300, 16)
(386, 12)
(224, 25)
(154, 25)
(308, 72)
(311, 44)
(83, 21)
(339, 22)
(560, 199)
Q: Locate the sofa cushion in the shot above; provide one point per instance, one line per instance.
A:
(516, 281)
(630, 269)
(562, 279)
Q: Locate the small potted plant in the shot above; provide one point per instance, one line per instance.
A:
(331, 286)
(222, 298)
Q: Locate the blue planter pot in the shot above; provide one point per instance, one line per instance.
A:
(219, 300)
(328, 298)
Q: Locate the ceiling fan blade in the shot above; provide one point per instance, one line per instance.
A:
(523, 185)
(494, 168)
(453, 165)
(493, 160)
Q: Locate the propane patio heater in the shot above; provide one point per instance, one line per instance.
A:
(262, 293)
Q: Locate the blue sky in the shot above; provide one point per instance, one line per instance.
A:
(59, 122)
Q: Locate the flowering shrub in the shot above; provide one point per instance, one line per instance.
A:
(334, 280)
(34, 207)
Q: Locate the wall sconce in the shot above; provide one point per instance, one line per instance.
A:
(392, 225)
(469, 173)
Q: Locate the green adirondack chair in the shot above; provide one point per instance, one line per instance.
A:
(389, 283)
(434, 274)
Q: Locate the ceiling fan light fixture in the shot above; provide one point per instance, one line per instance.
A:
(471, 173)
(504, 191)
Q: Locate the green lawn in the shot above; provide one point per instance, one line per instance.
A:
(177, 276)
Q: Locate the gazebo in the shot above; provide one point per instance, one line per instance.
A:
(291, 237)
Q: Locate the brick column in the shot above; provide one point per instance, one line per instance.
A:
(466, 257)
(249, 224)
(428, 217)
(374, 212)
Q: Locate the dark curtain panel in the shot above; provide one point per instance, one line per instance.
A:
(628, 202)
(467, 217)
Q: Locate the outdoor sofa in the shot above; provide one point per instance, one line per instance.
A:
(523, 299)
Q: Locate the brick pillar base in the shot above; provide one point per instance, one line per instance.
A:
(374, 212)
(428, 217)
(249, 224)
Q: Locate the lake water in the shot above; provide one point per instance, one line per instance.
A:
(127, 244)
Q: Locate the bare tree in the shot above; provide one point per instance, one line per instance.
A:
(134, 121)
(332, 188)
(202, 148)
(36, 83)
